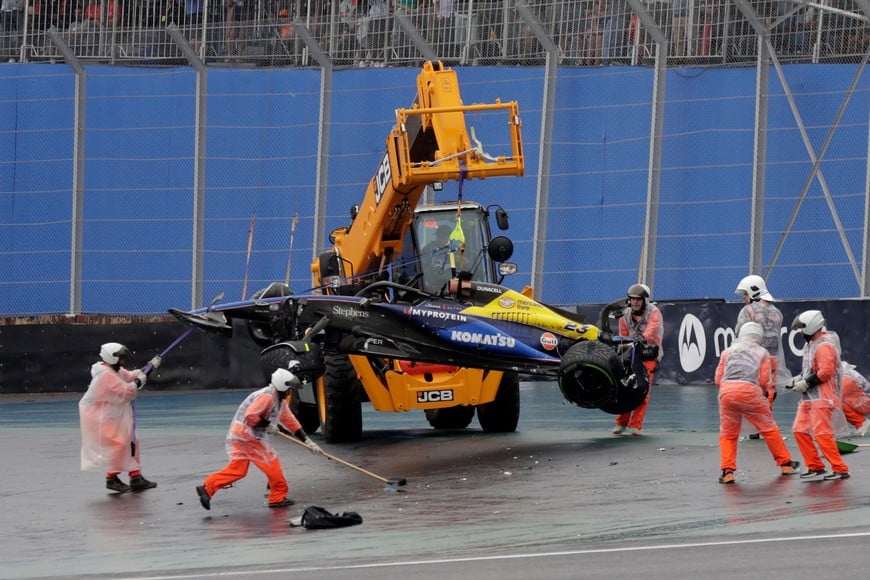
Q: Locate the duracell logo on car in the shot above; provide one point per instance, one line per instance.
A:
(490, 289)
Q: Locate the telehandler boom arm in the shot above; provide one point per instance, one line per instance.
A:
(429, 142)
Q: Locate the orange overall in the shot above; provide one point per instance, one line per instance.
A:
(856, 402)
(744, 379)
(647, 327)
(246, 446)
(812, 425)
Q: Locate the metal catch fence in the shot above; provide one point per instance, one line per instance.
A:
(404, 32)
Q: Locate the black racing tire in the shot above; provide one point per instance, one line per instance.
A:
(592, 373)
(339, 400)
(308, 355)
(275, 358)
(630, 393)
(503, 414)
(458, 417)
(280, 357)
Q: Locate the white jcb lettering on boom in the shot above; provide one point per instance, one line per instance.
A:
(382, 178)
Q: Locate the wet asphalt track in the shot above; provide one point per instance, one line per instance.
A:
(561, 498)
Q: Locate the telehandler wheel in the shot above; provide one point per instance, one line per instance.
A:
(307, 414)
(458, 417)
(338, 400)
(503, 414)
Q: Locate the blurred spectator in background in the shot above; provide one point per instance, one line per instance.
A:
(526, 46)
(401, 43)
(155, 13)
(850, 36)
(346, 45)
(78, 29)
(63, 12)
(616, 17)
(372, 31)
(94, 11)
(12, 18)
(285, 49)
(593, 33)
(443, 27)
(678, 28)
(193, 10)
(711, 28)
(490, 24)
(239, 18)
(287, 31)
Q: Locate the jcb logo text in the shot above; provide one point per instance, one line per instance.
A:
(434, 396)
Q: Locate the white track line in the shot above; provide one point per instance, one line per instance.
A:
(230, 574)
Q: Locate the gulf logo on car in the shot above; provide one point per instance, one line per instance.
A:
(549, 341)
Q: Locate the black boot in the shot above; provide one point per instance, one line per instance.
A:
(116, 484)
(204, 497)
(139, 483)
(285, 503)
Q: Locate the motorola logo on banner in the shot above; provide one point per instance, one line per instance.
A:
(693, 343)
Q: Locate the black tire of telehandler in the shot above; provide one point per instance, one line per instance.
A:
(450, 417)
(306, 412)
(503, 414)
(339, 400)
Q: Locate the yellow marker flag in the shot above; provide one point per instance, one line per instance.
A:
(457, 236)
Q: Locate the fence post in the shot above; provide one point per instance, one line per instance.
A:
(199, 155)
(324, 126)
(78, 186)
(545, 143)
(647, 262)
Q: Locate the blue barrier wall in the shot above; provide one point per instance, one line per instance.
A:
(262, 136)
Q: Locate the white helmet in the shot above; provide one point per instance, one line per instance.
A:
(111, 352)
(282, 379)
(750, 329)
(754, 286)
(809, 322)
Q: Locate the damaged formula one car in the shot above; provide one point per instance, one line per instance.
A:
(480, 327)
